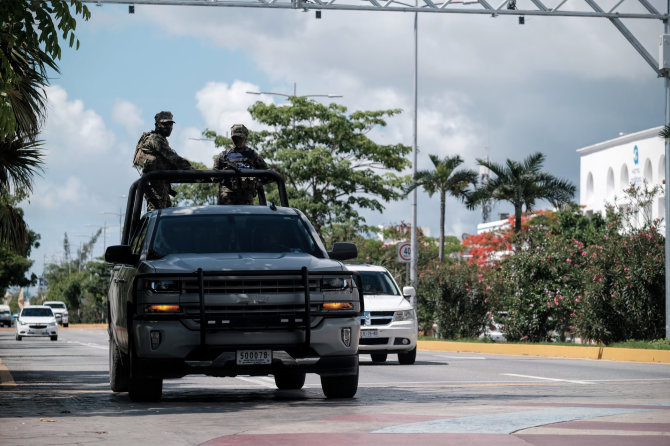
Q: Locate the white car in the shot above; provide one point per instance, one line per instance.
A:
(60, 311)
(389, 323)
(36, 321)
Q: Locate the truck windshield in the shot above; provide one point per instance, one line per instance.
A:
(204, 234)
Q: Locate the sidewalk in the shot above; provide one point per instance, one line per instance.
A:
(550, 351)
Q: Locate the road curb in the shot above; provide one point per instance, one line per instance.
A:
(551, 351)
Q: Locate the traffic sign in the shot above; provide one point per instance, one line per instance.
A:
(404, 252)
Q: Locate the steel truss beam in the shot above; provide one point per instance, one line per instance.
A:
(614, 10)
(611, 9)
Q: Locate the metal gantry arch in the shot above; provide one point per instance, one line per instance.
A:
(616, 11)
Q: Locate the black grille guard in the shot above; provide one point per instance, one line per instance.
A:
(303, 273)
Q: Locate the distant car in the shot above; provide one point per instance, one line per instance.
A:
(37, 321)
(389, 323)
(5, 316)
(493, 328)
(60, 311)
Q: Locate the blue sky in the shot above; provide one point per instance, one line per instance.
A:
(487, 86)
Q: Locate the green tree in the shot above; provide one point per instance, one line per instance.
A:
(14, 262)
(30, 32)
(444, 179)
(522, 184)
(331, 167)
(196, 194)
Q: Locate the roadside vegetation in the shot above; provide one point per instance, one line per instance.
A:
(548, 276)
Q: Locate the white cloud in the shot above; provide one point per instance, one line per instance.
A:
(58, 197)
(221, 105)
(71, 131)
(129, 116)
(192, 146)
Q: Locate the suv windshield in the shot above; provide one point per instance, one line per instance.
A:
(55, 305)
(202, 234)
(42, 312)
(378, 282)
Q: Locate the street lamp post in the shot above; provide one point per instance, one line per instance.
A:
(295, 94)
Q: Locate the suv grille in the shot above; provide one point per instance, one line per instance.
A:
(371, 318)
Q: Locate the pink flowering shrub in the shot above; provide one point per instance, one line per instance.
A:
(461, 298)
(624, 286)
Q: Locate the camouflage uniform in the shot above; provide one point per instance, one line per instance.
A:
(239, 190)
(153, 152)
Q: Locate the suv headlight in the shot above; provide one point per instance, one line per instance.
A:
(336, 283)
(52, 324)
(405, 315)
(162, 286)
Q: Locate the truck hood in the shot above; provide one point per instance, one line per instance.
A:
(384, 302)
(181, 263)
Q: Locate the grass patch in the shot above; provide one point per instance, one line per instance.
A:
(658, 344)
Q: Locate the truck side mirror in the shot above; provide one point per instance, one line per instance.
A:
(343, 251)
(121, 254)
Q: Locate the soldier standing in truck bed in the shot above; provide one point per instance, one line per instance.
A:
(238, 157)
(153, 152)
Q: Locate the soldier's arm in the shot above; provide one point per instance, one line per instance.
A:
(260, 163)
(174, 159)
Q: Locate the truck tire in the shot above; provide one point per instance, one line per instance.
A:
(65, 325)
(290, 380)
(340, 386)
(407, 358)
(18, 337)
(145, 389)
(54, 338)
(119, 368)
(378, 357)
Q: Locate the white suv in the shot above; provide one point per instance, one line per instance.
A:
(389, 323)
(60, 311)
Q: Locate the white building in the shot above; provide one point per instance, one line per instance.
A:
(607, 168)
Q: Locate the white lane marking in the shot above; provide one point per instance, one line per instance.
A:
(258, 381)
(89, 344)
(548, 379)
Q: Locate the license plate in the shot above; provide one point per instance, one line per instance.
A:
(373, 333)
(254, 357)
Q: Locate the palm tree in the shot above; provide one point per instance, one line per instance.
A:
(522, 183)
(444, 180)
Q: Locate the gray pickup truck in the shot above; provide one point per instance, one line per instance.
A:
(229, 290)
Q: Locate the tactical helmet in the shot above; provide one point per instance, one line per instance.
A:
(239, 130)
(164, 116)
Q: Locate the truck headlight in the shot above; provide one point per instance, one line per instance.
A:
(52, 324)
(338, 306)
(336, 283)
(162, 286)
(162, 308)
(405, 315)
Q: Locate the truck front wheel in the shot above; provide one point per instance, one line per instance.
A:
(340, 386)
(290, 380)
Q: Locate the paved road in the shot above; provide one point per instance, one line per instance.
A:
(57, 393)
